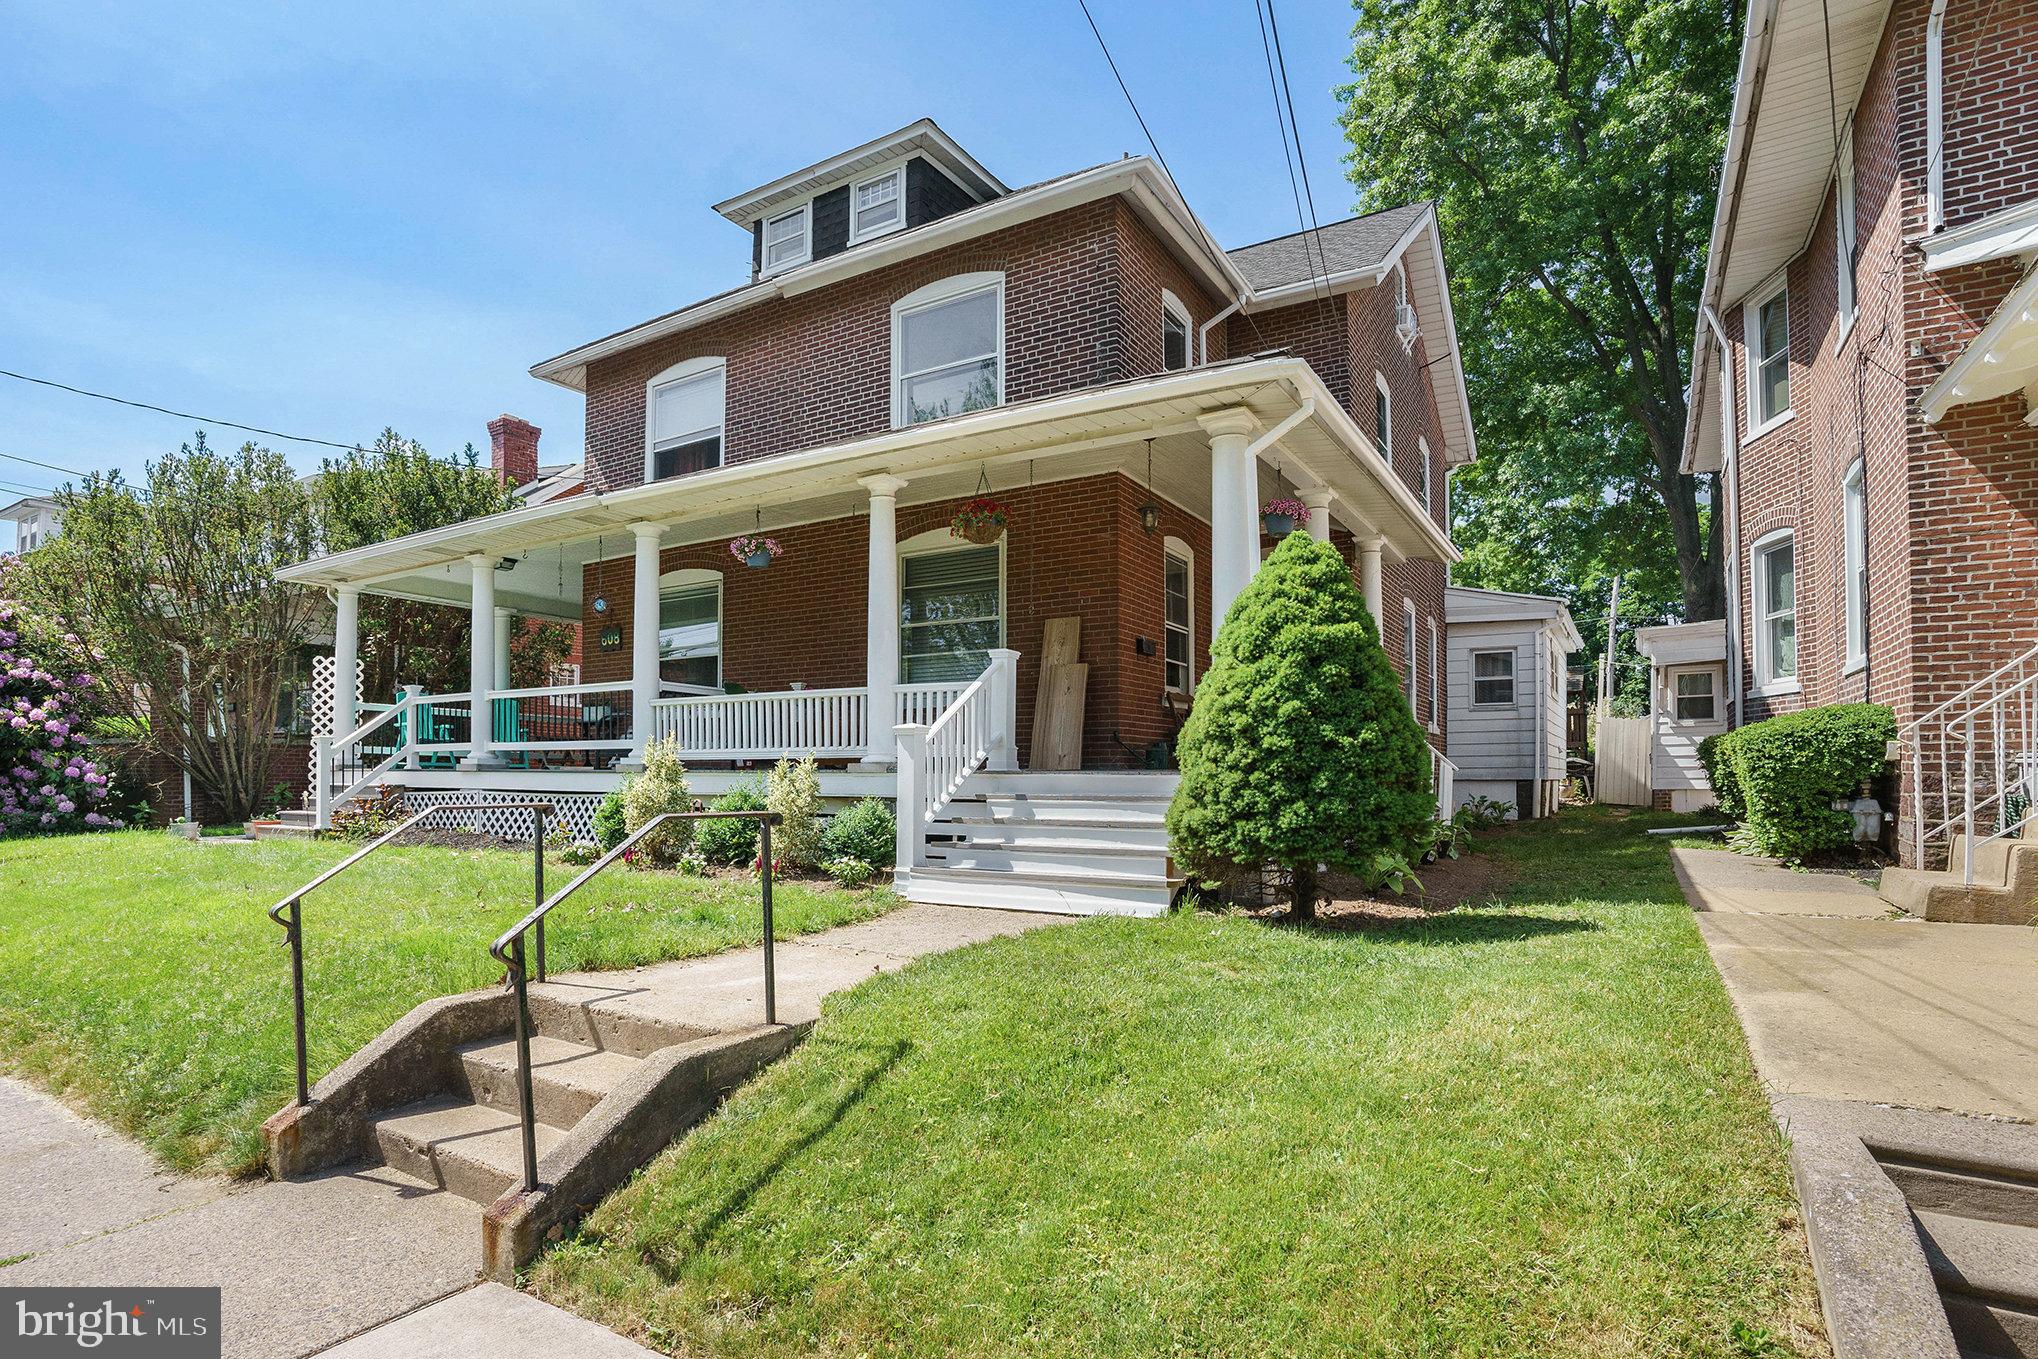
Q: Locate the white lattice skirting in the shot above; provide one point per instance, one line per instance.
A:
(573, 811)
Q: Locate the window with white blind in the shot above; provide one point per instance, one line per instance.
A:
(690, 628)
(951, 612)
(683, 419)
(877, 205)
(1179, 622)
(948, 349)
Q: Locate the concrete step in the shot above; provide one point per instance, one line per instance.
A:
(1991, 1330)
(1991, 1194)
(568, 1013)
(1997, 862)
(1073, 832)
(1048, 859)
(1064, 894)
(467, 1149)
(1941, 896)
(1987, 1274)
(567, 1079)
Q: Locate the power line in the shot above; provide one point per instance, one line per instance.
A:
(1281, 122)
(181, 415)
(37, 462)
(1308, 193)
(1110, 61)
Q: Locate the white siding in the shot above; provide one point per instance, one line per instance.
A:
(1495, 743)
(1674, 764)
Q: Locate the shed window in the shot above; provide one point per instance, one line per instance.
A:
(1493, 679)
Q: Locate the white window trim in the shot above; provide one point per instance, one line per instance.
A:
(927, 544)
(1172, 305)
(1435, 708)
(1846, 245)
(805, 211)
(1472, 678)
(692, 577)
(942, 291)
(679, 372)
(1854, 540)
(1175, 547)
(1766, 684)
(897, 172)
(1719, 698)
(1387, 450)
(1409, 636)
(1422, 451)
(1751, 325)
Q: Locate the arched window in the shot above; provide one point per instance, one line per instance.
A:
(951, 607)
(683, 419)
(690, 629)
(948, 348)
(1178, 622)
(1774, 562)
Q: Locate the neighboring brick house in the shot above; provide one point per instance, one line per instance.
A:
(1866, 372)
(914, 334)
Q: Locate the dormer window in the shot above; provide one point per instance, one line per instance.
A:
(877, 205)
(683, 419)
(786, 240)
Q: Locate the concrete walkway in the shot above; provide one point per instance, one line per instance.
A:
(305, 1264)
(1843, 1000)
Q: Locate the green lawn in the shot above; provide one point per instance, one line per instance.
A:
(1529, 1128)
(140, 975)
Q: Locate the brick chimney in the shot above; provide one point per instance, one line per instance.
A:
(513, 449)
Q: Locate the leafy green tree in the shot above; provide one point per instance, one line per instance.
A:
(395, 488)
(170, 589)
(1571, 148)
(1301, 749)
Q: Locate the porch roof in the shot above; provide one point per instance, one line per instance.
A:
(1074, 434)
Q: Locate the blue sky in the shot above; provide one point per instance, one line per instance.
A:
(325, 219)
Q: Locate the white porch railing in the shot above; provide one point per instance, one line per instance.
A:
(1974, 763)
(978, 730)
(824, 723)
(1442, 774)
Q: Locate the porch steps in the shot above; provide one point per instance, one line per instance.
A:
(2004, 890)
(1077, 843)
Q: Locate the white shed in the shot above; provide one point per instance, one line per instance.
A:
(1508, 659)
(1687, 703)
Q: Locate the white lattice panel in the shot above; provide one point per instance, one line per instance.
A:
(573, 811)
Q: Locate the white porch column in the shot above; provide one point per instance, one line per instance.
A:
(644, 638)
(881, 620)
(1318, 501)
(1234, 508)
(1369, 580)
(503, 623)
(346, 660)
(480, 660)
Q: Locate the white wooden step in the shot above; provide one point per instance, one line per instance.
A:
(1065, 895)
(1096, 783)
(1074, 834)
(1061, 808)
(1120, 864)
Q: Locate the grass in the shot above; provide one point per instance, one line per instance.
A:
(140, 977)
(1527, 1128)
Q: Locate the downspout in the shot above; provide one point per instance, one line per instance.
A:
(1203, 331)
(1730, 460)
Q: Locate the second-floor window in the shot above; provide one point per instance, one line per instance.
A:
(1422, 452)
(683, 419)
(1843, 220)
(948, 349)
(1768, 342)
(1383, 418)
(785, 240)
(1174, 333)
(877, 205)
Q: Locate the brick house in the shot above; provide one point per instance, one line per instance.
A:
(1866, 379)
(913, 334)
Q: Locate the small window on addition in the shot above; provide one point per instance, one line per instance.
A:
(1692, 693)
(1492, 679)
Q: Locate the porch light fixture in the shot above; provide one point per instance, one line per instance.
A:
(601, 604)
(506, 563)
(1149, 510)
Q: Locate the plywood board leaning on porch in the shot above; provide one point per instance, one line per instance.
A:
(1058, 698)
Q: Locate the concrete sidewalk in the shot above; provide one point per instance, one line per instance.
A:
(1842, 999)
(305, 1264)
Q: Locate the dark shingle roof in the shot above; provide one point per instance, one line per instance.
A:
(1355, 243)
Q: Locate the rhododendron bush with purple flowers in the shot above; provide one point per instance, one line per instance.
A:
(49, 783)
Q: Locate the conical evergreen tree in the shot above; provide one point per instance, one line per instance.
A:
(1301, 749)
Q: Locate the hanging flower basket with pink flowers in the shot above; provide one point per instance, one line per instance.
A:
(754, 550)
(1280, 515)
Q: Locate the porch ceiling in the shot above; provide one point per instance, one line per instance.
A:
(1079, 434)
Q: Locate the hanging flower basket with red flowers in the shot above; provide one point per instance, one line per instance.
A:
(981, 521)
(754, 550)
(1280, 515)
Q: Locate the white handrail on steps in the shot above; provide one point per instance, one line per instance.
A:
(1988, 731)
(979, 730)
(333, 757)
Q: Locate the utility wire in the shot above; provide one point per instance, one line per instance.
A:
(181, 415)
(1281, 123)
(1301, 160)
(37, 462)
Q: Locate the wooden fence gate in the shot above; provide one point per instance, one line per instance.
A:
(1621, 759)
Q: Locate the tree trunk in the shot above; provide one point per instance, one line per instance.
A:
(1302, 889)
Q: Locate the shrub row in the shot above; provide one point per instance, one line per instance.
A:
(1780, 777)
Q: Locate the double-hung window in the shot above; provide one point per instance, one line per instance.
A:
(1694, 696)
(683, 419)
(1767, 335)
(1408, 658)
(785, 240)
(951, 612)
(1383, 418)
(1435, 709)
(1843, 218)
(877, 205)
(1493, 679)
(1178, 625)
(1174, 333)
(948, 349)
(1776, 611)
(1422, 451)
(1854, 523)
(690, 629)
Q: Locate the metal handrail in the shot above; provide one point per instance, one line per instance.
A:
(508, 949)
(293, 928)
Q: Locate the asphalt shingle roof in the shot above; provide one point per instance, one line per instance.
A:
(1355, 243)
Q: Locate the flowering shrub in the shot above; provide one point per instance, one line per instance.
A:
(49, 784)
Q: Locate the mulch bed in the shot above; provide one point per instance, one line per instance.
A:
(1469, 880)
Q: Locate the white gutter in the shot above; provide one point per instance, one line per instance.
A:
(1274, 435)
(1730, 492)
